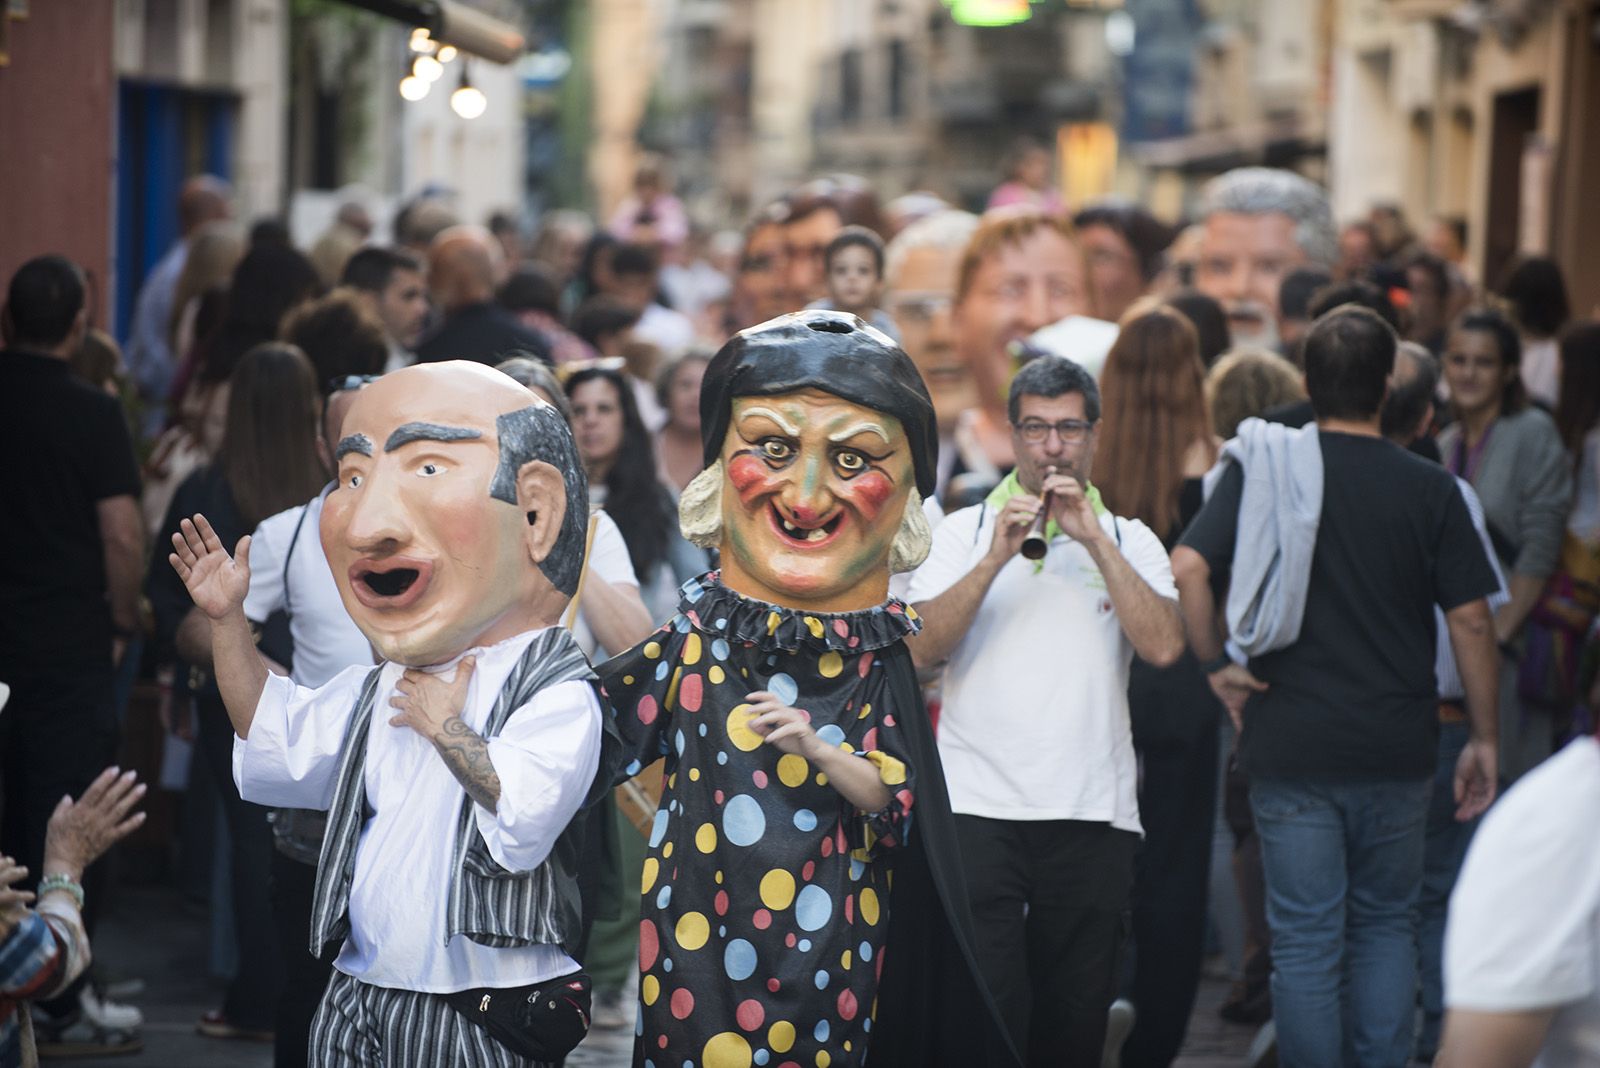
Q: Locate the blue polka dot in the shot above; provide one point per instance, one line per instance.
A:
(677, 741)
(783, 688)
(866, 951)
(866, 1023)
(661, 670)
(681, 624)
(832, 733)
(743, 822)
(820, 1032)
(822, 980)
(658, 830)
(805, 820)
(693, 591)
(722, 624)
(664, 896)
(856, 870)
(634, 767)
(722, 758)
(702, 730)
(739, 960)
(813, 908)
(719, 646)
(804, 945)
(666, 964)
(761, 1056)
(722, 932)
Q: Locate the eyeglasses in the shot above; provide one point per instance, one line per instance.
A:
(345, 383)
(1036, 431)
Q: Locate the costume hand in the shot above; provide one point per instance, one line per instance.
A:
(80, 831)
(1012, 525)
(216, 581)
(426, 701)
(1475, 779)
(1070, 508)
(13, 903)
(1233, 686)
(781, 726)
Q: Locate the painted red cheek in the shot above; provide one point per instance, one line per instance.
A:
(751, 478)
(870, 491)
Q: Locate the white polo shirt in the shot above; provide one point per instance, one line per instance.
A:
(1035, 718)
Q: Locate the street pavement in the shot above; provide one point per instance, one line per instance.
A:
(152, 933)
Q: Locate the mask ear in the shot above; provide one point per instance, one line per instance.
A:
(914, 538)
(542, 499)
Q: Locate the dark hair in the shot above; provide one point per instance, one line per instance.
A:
(44, 300)
(269, 448)
(1145, 234)
(531, 287)
(1408, 399)
(1210, 322)
(1052, 376)
(603, 315)
(634, 499)
(1538, 296)
(631, 258)
(1362, 294)
(339, 335)
(1297, 289)
(600, 244)
(1457, 224)
(269, 281)
(371, 269)
(269, 231)
(1578, 400)
(850, 197)
(537, 432)
(1435, 269)
(1349, 355)
(855, 237)
(667, 377)
(1490, 320)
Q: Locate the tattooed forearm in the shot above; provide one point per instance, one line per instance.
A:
(466, 754)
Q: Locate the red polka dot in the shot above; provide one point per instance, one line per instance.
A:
(847, 1004)
(809, 870)
(762, 919)
(760, 778)
(841, 628)
(772, 985)
(693, 617)
(722, 902)
(864, 665)
(683, 1003)
(649, 945)
(905, 799)
(750, 1014)
(888, 720)
(662, 1041)
(718, 796)
(869, 741)
(790, 940)
(854, 641)
(827, 847)
(646, 710)
(690, 691)
(850, 908)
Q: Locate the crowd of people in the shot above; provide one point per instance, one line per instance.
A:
(1320, 525)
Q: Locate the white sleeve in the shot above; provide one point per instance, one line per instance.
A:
(292, 755)
(545, 757)
(1141, 548)
(608, 556)
(1522, 928)
(266, 567)
(950, 558)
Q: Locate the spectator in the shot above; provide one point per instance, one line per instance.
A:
(635, 279)
(532, 295)
(98, 362)
(758, 290)
(71, 553)
(651, 215)
(1428, 281)
(202, 290)
(506, 229)
(559, 246)
(1247, 383)
(1035, 739)
(351, 227)
(1124, 244)
(1539, 307)
(678, 446)
(1512, 455)
(1210, 323)
(389, 281)
(605, 325)
(854, 264)
(1362, 294)
(464, 270)
(1577, 419)
(340, 337)
(1294, 307)
(1156, 426)
(420, 221)
(817, 211)
(1027, 179)
(1393, 241)
(1358, 252)
(1330, 602)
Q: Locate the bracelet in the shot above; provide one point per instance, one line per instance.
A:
(61, 882)
(1211, 667)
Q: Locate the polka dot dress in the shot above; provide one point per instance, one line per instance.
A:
(765, 907)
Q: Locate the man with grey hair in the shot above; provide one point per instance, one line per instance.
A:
(1260, 224)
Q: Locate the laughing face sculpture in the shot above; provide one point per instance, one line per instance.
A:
(458, 519)
(818, 436)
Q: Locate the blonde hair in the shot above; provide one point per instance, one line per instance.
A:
(1248, 382)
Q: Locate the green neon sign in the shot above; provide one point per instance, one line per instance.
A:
(990, 12)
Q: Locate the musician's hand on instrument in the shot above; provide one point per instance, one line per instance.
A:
(781, 726)
(1013, 524)
(1071, 510)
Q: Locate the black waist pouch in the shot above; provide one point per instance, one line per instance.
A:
(543, 1022)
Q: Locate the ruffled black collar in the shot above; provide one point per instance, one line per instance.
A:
(715, 609)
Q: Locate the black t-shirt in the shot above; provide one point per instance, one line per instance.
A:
(1356, 696)
(66, 448)
(486, 333)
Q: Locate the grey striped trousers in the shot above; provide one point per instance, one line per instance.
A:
(363, 1026)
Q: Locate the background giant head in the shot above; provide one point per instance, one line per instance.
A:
(819, 441)
(459, 515)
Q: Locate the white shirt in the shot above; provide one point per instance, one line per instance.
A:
(1541, 370)
(545, 759)
(1035, 720)
(666, 329)
(1524, 928)
(1444, 662)
(608, 560)
(326, 640)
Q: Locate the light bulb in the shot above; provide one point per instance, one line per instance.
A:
(427, 68)
(447, 53)
(469, 102)
(413, 88)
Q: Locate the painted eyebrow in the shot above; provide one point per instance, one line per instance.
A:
(859, 428)
(406, 433)
(354, 443)
(784, 424)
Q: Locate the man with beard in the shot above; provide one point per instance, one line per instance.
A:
(1260, 224)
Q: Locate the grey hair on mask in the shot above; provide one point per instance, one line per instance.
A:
(1263, 190)
(538, 432)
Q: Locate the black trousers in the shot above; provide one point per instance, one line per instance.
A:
(252, 996)
(305, 977)
(1049, 906)
(1175, 729)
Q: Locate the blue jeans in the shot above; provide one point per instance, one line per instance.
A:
(1442, 857)
(1343, 866)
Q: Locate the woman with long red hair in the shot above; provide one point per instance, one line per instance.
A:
(1155, 445)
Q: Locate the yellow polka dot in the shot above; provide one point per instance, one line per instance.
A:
(694, 774)
(650, 989)
(847, 1045)
(777, 889)
(844, 960)
(822, 780)
(792, 770)
(672, 780)
(705, 839)
(666, 850)
(911, 613)
(726, 1050)
(869, 906)
(691, 649)
(692, 931)
(823, 1060)
(719, 878)
(829, 664)
(652, 650)
(652, 868)
(716, 675)
(773, 619)
(866, 710)
(739, 732)
(780, 1036)
(890, 770)
(627, 680)
(671, 702)
(814, 625)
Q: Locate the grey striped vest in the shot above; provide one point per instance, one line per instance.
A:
(488, 903)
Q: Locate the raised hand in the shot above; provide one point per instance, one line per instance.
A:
(785, 728)
(216, 581)
(13, 903)
(81, 830)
